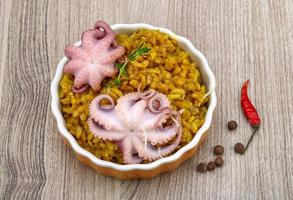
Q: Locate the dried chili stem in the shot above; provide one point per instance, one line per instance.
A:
(250, 139)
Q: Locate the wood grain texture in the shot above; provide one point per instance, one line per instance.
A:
(241, 39)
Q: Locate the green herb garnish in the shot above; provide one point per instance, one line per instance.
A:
(140, 51)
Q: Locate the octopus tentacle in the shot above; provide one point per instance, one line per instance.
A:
(105, 115)
(99, 35)
(161, 135)
(103, 134)
(114, 44)
(81, 89)
(108, 70)
(110, 34)
(147, 94)
(106, 28)
(153, 153)
(158, 102)
(73, 51)
(80, 79)
(95, 81)
(73, 67)
(152, 120)
(114, 54)
(90, 37)
(129, 151)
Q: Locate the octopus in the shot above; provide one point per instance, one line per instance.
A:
(143, 124)
(94, 59)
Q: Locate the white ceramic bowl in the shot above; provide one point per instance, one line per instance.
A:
(139, 170)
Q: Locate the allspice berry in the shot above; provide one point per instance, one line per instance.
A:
(211, 166)
(219, 150)
(232, 125)
(201, 167)
(219, 161)
(239, 148)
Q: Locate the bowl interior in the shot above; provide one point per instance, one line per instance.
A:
(208, 79)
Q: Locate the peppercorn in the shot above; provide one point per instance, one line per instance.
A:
(211, 166)
(218, 150)
(232, 125)
(239, 148)
(201, 167)
(219, 161)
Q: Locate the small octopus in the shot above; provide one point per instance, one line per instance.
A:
(94, 59)
(138, 123)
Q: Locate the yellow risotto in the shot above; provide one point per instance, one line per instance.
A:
(167, 68)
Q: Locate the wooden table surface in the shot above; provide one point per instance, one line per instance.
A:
(241, 40)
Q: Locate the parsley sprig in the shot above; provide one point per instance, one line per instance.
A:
(140, 51)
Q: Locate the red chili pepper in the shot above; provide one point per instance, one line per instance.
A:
(248, 108)
(249, 111)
